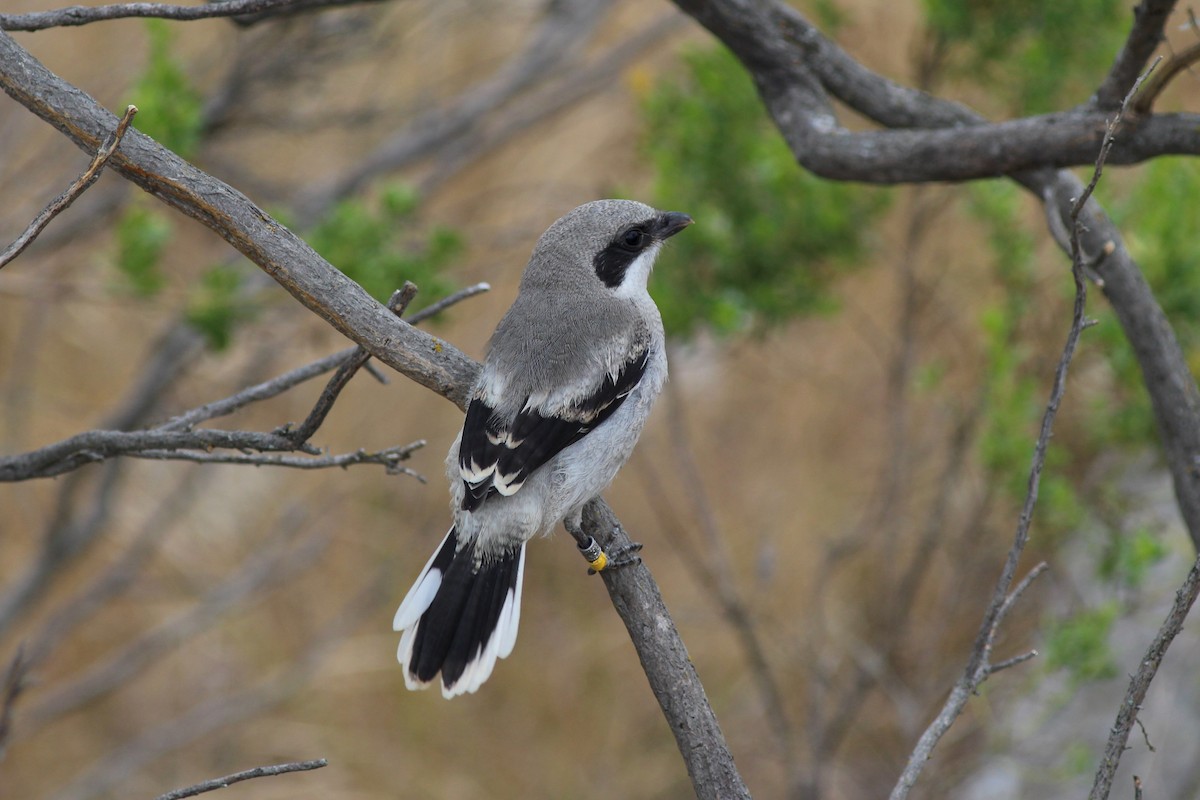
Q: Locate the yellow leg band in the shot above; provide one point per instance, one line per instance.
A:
(600, 562)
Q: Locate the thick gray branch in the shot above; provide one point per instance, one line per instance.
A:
(1149, 17)
(796, 69)
(664, 658)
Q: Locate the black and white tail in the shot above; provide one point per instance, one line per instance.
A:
(458, 619)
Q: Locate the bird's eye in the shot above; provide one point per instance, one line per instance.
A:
(634, 238)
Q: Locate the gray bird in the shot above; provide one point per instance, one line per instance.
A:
(570, 376)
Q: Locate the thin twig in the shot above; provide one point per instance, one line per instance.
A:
(261, 391)
(979, 665)
(80, 185)
(430, 310)
(1175, 65)
(176, 439)
(388, 458)
(1139, 683)
(397, 303)
(1145, 735)
(238, 777)
(282, 383)
(1011, 662)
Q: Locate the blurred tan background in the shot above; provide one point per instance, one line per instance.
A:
(254, 626)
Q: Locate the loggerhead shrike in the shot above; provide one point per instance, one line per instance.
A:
(568, 382)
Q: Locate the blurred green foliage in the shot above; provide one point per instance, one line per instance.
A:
(1034, 56)
(1130, 555)
(771, 237)
(170, 109)
(1158, 217)
(217, 304)
(1079, 644)
(1015, 395)
(142, 236)
(377, 243)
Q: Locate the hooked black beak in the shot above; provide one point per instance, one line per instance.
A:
(670, 223)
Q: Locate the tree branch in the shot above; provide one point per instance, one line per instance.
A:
(389, 458)
(1149, 17)
(979, 665)
(664, 659)
(238, 777)
(429, 361)
(1176, 64)
(1139, 683)
(83, 15)
(796, 68)
(78, 187)
(396, 304)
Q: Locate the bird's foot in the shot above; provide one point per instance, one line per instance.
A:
(598, 560)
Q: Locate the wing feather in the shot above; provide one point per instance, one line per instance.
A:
(497, 458)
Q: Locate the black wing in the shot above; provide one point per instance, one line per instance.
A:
(495, 458)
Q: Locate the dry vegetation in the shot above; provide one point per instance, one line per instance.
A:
(822, 468)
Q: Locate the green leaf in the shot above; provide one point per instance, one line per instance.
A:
(142, 236)
(170, 109)
(216, 306)
(1079, 645)
(376, 243)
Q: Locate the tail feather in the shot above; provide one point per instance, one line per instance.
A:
(458, 619)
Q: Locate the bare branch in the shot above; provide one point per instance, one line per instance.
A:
(253, 394)
(669, 670)
(90, 446)
(80, 185)
(979, 665)
(1176, 64)
(396, 304)
(238, 777)
(389, 458)
(1011, 662)
(434, 309)
(426, 359)
(1139, 684)
(797, 68)
(1149, 17)
(83, 15)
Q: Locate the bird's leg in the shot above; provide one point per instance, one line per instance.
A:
(597, 559)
